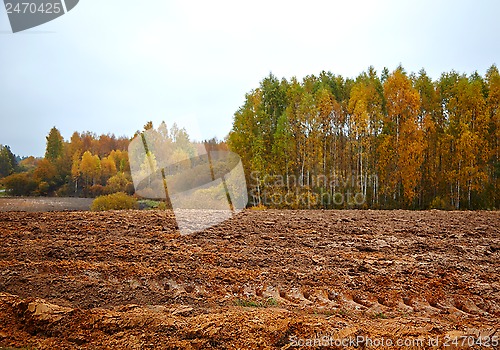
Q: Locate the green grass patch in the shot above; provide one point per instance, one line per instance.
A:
(269, 302)
(147, 204)
(380, 315)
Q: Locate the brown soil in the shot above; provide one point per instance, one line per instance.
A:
(265, 279)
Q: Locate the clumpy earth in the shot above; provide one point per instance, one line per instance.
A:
(264, 279)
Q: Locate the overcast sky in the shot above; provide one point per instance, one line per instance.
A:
(112, 65)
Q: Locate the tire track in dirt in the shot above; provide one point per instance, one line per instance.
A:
(343, 272)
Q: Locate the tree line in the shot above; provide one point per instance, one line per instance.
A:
(394, 140)
(85, 165)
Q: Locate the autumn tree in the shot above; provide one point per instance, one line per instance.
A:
(46, 176)
(244, 139)
(75, 170)
(467, 129)
(121, 160)
(108, 168)
(28, 164)
(432, 183)
(54, 149)
(401, 147)
(365, 124)
(398, 140)
(21, 184)
(493, 111)
(90, 168)
(121, 182)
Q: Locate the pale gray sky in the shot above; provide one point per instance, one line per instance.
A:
(112, 65)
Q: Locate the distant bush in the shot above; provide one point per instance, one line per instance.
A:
(151, 204)
(115, 201)
(119, 183)
(258, 207)
(20, 184)
(96, 190)
(43, 188)
(65, 191)
(439, 203)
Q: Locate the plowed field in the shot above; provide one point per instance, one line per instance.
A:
(264, 279)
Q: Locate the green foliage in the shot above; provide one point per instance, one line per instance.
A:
(8, 162)
(115, 201)
(54, 149)
(269, 302)
(151, 204)
(380, 315)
